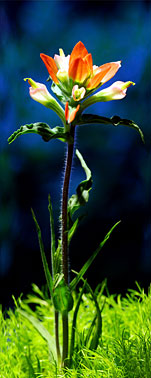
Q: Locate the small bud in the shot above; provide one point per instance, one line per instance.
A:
(116, 91)
(39, 92)
(78, 93)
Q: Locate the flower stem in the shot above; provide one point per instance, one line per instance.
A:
(65, 269)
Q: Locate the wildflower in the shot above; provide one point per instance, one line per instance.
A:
(76, 72)
(74, 79)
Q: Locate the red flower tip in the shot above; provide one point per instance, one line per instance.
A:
(70, 116)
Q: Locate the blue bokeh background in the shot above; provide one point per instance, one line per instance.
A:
(120, 163)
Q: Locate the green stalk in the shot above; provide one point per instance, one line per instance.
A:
(56, 314)
(65, 268)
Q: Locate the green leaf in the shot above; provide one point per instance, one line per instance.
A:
(58, 259)
(42, 331)
(82, 192)
(73, 229)
(115, 121)
(62, 298)
(53, 248)
(44, 131)
(97, 323)
(85, 267)
(73, 329)
(43, 256)
(58, 279)
(79, 199)
(31, 369)
(60, 93)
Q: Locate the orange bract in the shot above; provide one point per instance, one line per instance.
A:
(70, 116)
(51, 67)
(79, 70)
(88, 59)
(80, 63)
(79, 50)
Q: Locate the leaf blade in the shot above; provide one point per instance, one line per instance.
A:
(115, 121)
(85, 267)
(41, 330)
(43, 256)
(82, 192)
(53, 241)
(44, 130)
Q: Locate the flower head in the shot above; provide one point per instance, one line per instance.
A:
(75, 78)
(78, 69)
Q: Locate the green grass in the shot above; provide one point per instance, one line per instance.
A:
(124, 350)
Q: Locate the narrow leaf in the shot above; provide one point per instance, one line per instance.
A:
(85, 267)
(72, 230)
(43, 256)
(72, 342)
(31, 369)
(115, 121)
(53, 247)
(57, 259)
(41, 330)
(58, 279)
(44, 130)
(98, 321)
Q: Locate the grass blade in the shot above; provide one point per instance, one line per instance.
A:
(42, 331)
(85, 267)
(43, 256)
(74, 324)
(53, 242)
(98, 331)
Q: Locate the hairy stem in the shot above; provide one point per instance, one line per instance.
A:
(64, 212)
(65, 269)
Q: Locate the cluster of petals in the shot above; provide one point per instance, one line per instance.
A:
(79, 68)
(77, 77)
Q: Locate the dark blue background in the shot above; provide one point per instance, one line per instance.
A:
(120, 163)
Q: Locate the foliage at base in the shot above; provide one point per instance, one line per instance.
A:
(124, 350)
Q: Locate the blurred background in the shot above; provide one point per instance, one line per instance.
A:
(120, 163)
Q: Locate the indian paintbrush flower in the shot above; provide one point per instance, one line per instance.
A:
(79, 69)
(74, 79)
